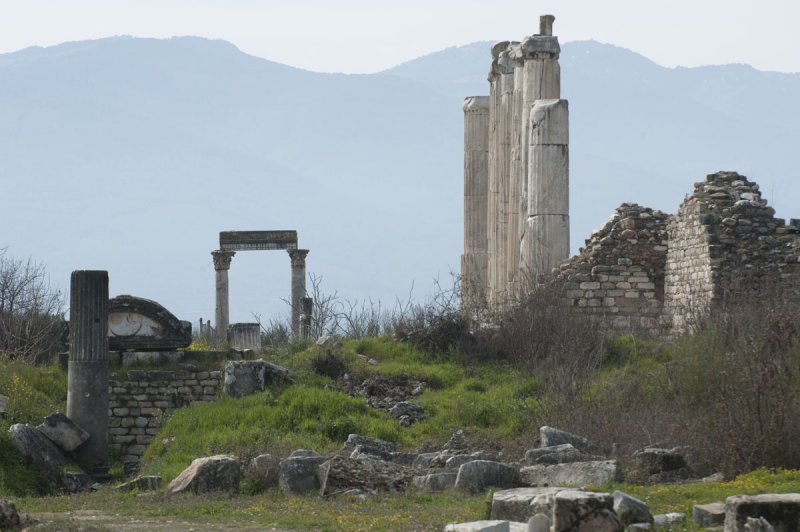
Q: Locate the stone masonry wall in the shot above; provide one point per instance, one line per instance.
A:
(619, 273)
(725, 241)
(140, 404)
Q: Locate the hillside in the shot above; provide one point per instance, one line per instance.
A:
(131, 154)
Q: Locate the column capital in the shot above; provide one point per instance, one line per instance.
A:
(298, 257)
(222, 259)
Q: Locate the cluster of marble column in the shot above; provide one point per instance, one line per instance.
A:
(222, 263)
(516, 172)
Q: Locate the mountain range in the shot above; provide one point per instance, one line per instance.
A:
(131, 155)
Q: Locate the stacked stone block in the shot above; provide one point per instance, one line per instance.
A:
(619, 274)
(726, 242)
(140, 404)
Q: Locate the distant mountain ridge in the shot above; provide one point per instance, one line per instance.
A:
(131, 154)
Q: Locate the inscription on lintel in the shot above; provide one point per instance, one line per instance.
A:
(257, 240)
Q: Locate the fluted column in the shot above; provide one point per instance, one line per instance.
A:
(546, 241)
(298, 258)
(222, 263)
(476, 183)
(87, 389)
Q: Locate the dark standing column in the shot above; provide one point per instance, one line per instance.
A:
(87, 392)
(222, 263)
(298, 257)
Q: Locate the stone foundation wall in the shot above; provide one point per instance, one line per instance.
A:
(140, 404)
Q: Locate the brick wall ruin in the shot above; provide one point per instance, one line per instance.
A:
(140, 404)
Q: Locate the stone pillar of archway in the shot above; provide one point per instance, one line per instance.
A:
(222, 263)
(298, 257)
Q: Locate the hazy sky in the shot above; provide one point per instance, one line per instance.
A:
(361, 36)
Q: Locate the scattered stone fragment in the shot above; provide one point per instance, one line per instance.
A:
(758, 525)
(264, 470)
(520, 504)
(631, 510)
(435, 481)
(558, 454)
(596, 473)
(304, 453)
(454, 462)
(781, 511)
(214, 473)
(62, 431)
(298, 474)
(582, 510)
(41, 453)
(245, 377)
(327, 341)
(550, 437)
(710, 514)
(487, 526)
(457, 442)
(340, 474)
(368, 444)
(145, 483)
(479, 475)
(668, 521)
(539, 523)
(9, 516)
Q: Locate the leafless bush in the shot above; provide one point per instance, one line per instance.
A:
(274, 333)
(31, 312)
(736, 382)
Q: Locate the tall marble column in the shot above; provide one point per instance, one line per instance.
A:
(222, 263)
(298, 258)
(87, 391)
(476, 183)
(546, 242)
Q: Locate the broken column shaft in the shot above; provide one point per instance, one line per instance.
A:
(222, 263)
(87, 392)
(298, 258)
(476, 183)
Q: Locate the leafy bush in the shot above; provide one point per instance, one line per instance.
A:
(329, 364)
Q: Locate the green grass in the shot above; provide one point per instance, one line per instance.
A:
(273, 509)
(33, 392)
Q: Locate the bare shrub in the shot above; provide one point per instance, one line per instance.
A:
(542, 335)
(31, 312)
(737, 382)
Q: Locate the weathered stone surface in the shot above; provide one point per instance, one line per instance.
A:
(257, 240)
(245, 335)
(758, 524)
(581, 510)
(145, 483)
(245, 377)
(551, 437)
(709, 514)
(214, 473)
(479, 475)
(304, 453)
(299, 474)
(656, 460)
(457, 442)
(361, 453)
(40, 453)
(9, 516)
(435, 481)
(520, 504)
(486, 526)
(454, 462)
(539, 523)
(77, 482)
(340, 474)
(781, 511)
(138, 324)
(596, 473)
(264, 470)
(558, 454)
(62, 431)
(631, 510)
(368, 444)
(3, 403)
(664, 522)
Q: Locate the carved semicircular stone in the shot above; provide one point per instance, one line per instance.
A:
(138, 324)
